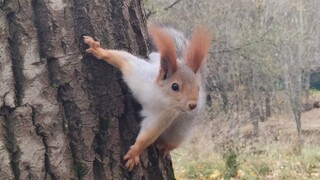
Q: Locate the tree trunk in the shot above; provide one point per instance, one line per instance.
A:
(268, 103)
(64, 114)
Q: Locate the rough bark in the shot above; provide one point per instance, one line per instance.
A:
(64, 114)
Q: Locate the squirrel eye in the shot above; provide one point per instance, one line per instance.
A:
(175, 87)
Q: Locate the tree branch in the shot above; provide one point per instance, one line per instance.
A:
(171, 5)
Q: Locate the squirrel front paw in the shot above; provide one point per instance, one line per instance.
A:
(132, 157)
(94, 47)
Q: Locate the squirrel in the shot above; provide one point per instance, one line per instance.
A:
(169, 86)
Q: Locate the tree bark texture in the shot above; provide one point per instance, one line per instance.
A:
(64, 114)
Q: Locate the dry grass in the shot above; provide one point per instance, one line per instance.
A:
(276, 154)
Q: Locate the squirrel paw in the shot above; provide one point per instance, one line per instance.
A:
(132, 158)
(94, 47)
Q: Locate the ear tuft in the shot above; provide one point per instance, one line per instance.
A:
(167, 50)
(198, 48)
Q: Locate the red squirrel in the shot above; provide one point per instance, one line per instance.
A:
(169, 86)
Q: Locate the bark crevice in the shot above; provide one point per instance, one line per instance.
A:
(16, 58)
(82, 23)
(45, 28)
(44, 25)
(17, 64)
(40, 132)
(71, 113)
(136, 21)
(120, 24)
(10, 140)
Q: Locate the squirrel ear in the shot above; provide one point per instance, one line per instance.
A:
(198, 48)
(167, 50)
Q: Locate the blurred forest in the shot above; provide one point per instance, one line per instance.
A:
(263, 88)
(264, 58)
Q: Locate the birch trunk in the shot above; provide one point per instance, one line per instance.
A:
(64, 114)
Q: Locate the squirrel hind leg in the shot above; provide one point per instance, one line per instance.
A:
(164, 147)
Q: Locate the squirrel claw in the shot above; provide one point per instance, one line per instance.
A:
(88, 40)
(94, 47)
(132, 162)
(132, 158)
(91, 42)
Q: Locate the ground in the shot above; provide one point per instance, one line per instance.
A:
(276, 154)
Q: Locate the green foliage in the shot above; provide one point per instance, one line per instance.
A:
(275, 162)
(259, 167)
(232, 164)
(315, 80)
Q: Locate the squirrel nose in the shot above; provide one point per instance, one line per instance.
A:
(192, 106)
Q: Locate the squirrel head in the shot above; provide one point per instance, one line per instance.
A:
(179, 79)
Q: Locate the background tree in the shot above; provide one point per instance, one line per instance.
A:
(63, 114)
(262, 56)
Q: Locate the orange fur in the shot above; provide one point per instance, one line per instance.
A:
(167, 50)
(113, 57)
(198, 48)
(143, 140)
